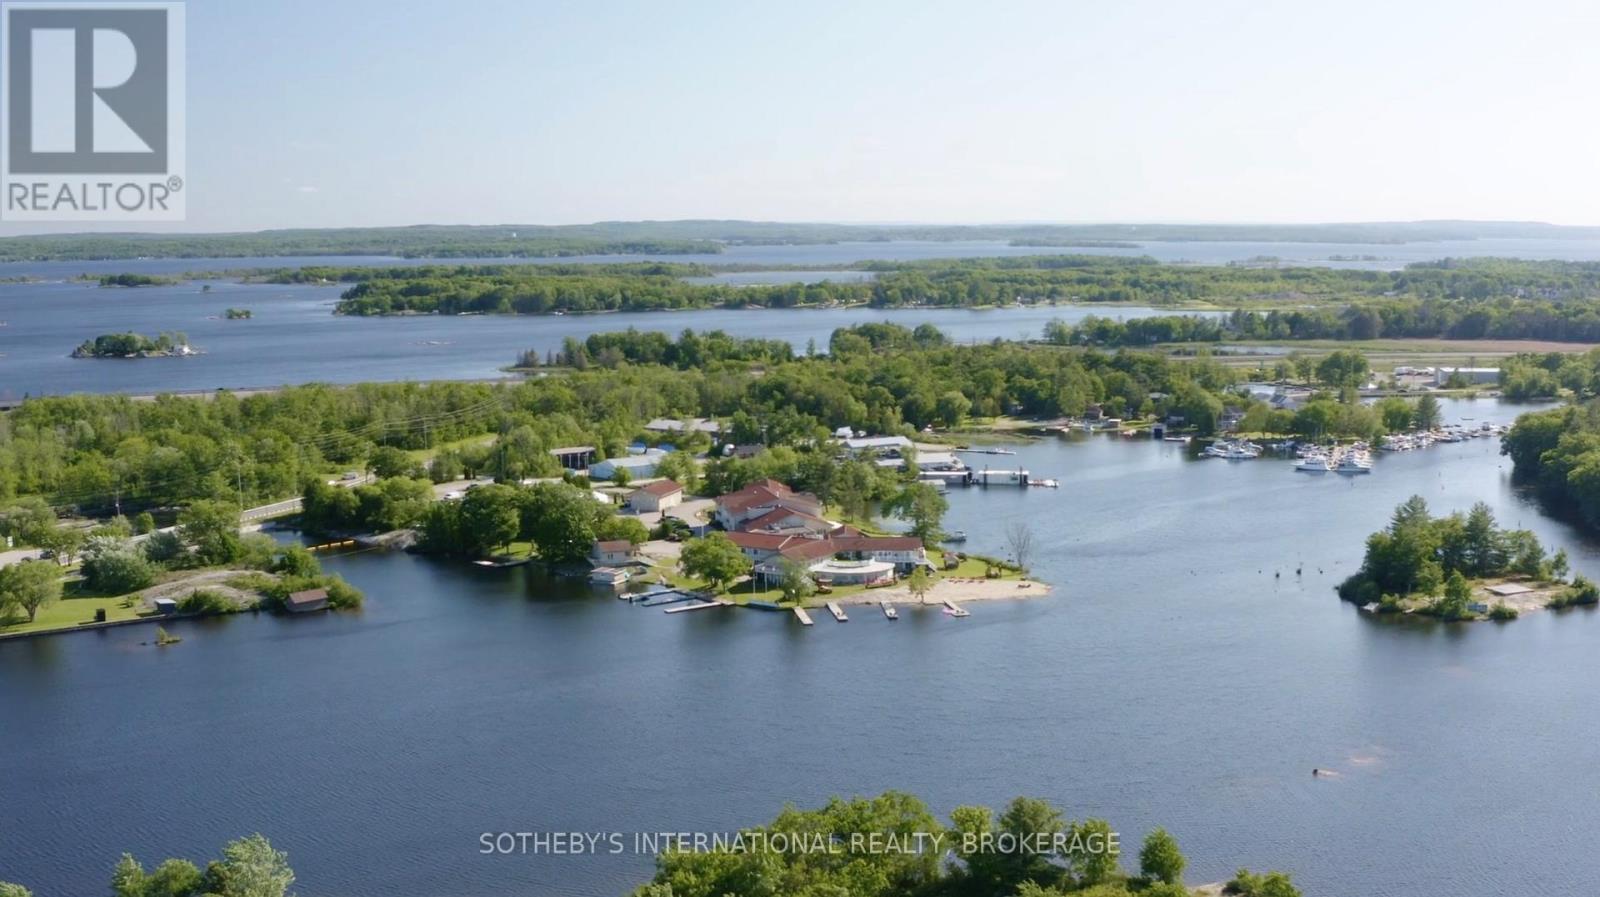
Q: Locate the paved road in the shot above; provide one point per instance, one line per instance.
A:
(293, 505)
(7, 558)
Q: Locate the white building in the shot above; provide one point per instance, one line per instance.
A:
(886, 445)
(638, 466)
(1475, 376)
(658, 496)
(671, 425)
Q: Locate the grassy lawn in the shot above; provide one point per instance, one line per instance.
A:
(428, 453)
(517, 550)
(68, 613)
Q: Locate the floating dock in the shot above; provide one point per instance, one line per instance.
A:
(659, 600)
(328, 546)
(837, 611)
(954, 609)
(805, 618)
(890, 612)
(987, 477)
(700, 606)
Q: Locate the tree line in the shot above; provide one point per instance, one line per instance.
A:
(892, 845)
(1465, 299)
(1507, 318)
(107, 454)
(1558, 452)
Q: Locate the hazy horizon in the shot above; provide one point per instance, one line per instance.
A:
(367, 113)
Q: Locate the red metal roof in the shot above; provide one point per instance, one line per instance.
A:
(661, 488)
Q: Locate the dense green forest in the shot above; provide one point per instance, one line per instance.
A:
(103, 453)
(1558, 451)
(1460, 298)
(1574, 320)
(664, 237)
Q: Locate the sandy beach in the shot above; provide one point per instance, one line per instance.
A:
(957, 590)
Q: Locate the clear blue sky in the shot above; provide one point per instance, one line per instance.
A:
(361, 112)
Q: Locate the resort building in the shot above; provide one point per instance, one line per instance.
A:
(844, 558)
(1475, 376)
(656, 497)
(761, 498)
(773, 525)
(904, 553)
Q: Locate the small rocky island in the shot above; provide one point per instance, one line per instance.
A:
(135, 345)
(1460, 567)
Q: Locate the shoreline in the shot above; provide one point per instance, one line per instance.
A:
(958, 590)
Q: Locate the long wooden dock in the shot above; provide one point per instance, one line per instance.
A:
(837, 611)
(703, 605)
(661, 599)
(954, 609)
(805, 618)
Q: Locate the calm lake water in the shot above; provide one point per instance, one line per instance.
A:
(294, 337)
(1182, 675)
(1353, 255)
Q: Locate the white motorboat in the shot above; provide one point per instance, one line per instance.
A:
(1233, 451)
(1354, 463)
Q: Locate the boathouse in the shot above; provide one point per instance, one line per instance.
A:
(306, 601)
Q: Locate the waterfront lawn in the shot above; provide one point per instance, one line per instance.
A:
(70, 612)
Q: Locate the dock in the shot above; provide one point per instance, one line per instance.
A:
(703, 605)
(805, 618)
(837, 611)
(329, 546)
(890, 612)
(954, 609)
(659, 600)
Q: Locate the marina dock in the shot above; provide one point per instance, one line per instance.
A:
(805, 618)
(663, 599)
(837, 611)
(699, 606)
(954, 609)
